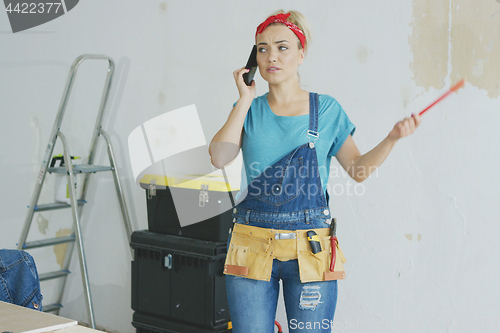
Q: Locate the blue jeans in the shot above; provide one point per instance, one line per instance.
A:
(19, 282)
(310, 307)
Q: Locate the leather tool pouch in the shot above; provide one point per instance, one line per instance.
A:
(316, 266)
(249, 256)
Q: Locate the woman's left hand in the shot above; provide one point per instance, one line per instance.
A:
(405, 127)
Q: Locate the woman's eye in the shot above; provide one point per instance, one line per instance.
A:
(262, 50)
(282, 48)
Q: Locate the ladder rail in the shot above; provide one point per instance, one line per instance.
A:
(102, 107)
(77, 229)
(118, 186)
(71, 246)
(66, 265)
(98, 123)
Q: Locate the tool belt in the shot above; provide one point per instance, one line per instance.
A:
(252, 250)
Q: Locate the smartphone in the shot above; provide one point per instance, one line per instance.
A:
(252, 66)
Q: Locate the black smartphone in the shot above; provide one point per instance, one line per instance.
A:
(252, 66)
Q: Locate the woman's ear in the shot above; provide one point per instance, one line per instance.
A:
(301, 56)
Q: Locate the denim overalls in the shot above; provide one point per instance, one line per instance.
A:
(286, 196)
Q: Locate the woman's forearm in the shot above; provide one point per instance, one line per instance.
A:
(225, 145)
(360, 167)
(366, 164)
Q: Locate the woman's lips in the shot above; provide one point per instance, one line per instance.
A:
(273, 69)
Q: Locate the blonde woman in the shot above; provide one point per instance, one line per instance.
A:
(287, 137)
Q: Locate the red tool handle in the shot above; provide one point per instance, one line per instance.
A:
(280, 330)
(452, 89)
(334, 241)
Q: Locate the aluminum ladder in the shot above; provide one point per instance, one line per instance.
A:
(76, 205)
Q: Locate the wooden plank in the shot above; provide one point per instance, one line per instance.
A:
(17, 319)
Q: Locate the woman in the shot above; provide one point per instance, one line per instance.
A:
(287, 137)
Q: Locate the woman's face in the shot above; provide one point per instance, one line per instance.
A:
(278, 54)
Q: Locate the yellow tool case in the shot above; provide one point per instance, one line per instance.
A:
(193, 205)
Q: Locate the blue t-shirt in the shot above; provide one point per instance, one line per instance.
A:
(268, 137)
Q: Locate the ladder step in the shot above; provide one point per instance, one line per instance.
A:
(48, 242)
(51, 307)
(53, 275)
(56, 205)
(81, 168)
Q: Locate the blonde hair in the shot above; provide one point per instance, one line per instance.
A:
(299, 20)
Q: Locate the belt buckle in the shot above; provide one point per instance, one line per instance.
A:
(285, 235)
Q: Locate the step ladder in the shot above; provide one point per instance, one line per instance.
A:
(76, 205)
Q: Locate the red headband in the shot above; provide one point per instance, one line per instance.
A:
(281, 18)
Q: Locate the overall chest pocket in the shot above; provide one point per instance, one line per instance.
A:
(283, 183)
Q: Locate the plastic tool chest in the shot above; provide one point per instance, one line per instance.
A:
(178, 284)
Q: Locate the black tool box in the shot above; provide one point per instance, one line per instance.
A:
(197, 207)
(179, 280)
(149, 324)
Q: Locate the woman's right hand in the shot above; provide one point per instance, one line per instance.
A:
(244, 90)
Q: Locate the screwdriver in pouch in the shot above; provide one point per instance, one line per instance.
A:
(313, 239)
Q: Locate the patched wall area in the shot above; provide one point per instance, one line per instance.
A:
(429, 43)
(457, 39)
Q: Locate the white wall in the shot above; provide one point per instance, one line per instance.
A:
(419, 235)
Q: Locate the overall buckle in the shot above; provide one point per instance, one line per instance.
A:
(313, 134)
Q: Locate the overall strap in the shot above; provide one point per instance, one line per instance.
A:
(313, 117)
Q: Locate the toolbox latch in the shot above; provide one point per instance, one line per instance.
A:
(203, 195)
(168, 261)
(152, 188)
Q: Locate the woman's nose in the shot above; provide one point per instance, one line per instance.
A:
(272, 56)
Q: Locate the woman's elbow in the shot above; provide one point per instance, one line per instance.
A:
(213, 156)
(216, 163)
(358, 179)
(221, 163)
(223, 154)
(213, 159)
